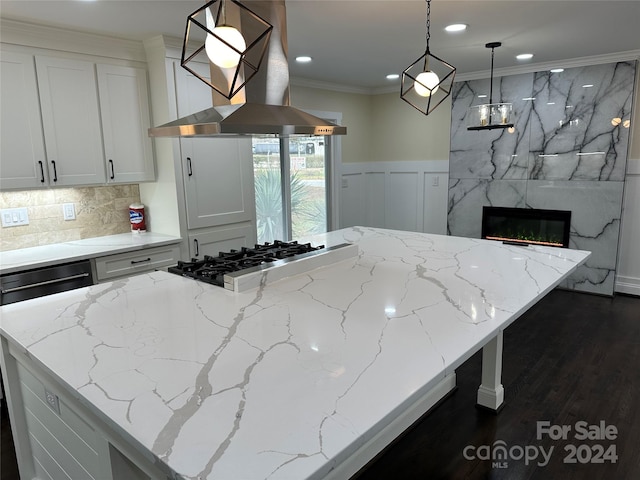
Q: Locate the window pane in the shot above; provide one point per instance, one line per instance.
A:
(308, 186)
(267, 180)
(307, 201)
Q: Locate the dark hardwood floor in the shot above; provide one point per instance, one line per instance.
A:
(572, 358)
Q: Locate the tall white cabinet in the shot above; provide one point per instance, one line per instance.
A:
(216, 175)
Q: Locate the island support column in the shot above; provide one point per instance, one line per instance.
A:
(491, 391)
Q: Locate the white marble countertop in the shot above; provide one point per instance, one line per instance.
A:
(46, 255)
(283, 381)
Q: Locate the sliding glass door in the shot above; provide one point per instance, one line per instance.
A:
(292, 185)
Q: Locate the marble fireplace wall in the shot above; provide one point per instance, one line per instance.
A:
(566, 153)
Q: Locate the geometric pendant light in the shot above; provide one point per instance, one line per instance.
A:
(428, 80)
(229, 37)
(490, 115)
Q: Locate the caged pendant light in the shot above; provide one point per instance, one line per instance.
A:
(427, 82)
(231, 38)
(490, 115)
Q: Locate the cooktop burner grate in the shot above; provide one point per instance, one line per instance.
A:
(212, 269)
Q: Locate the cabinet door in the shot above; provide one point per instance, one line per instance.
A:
(71, 121)
(22, 156)
(192, 94)
(124, 108)
(218, 181)
(212, 242)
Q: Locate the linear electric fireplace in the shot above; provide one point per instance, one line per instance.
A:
(527, 226)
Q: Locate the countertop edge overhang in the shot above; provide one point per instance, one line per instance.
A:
(12, 261)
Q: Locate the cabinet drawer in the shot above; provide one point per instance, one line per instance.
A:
(136, 262)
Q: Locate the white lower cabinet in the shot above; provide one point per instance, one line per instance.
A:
(212, 241)
(132, 263)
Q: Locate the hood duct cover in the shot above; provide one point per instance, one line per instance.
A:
(267, 107)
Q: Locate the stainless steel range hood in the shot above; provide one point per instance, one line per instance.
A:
(265, 104)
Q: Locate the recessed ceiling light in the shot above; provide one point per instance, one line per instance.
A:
(588, 85)
(303, 59)
(556, 70)
(456, 27)
(525, 56)
(392, 76)
(482, 95)
(551, 103)
(529, 99)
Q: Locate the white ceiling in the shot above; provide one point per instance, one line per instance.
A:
(355, 43)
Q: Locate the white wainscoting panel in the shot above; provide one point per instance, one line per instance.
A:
(407, 195)
(401, 205)
(375, 199)
(628, 271)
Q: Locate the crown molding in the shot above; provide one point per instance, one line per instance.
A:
(171, 45)
(52, 38)
(334, 87)
(463, 77)
(541, 67)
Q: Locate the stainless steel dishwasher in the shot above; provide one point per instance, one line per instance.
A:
(16, 287)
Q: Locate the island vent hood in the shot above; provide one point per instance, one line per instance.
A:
(263, 107)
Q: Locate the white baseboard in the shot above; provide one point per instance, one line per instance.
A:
(628, 285)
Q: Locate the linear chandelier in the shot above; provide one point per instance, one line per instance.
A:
(490, 115)
(231, 38)
(427, 82)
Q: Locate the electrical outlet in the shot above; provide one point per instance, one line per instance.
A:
(52, 401)
(14, 217)
(68, 211)
(435, 181)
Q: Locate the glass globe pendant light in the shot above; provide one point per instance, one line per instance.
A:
(229, 37)
(427, 82)
(225, 44)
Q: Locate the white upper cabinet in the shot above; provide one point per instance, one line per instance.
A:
(71, 121)
(124, 107)
(22, 155)
(68, 121)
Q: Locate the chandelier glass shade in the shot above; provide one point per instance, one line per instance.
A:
(428, 81)
(490, 116)
(231, 38)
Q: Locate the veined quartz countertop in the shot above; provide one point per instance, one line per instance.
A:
(46, 255)
(286, 380)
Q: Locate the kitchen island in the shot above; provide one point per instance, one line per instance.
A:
(303, 378)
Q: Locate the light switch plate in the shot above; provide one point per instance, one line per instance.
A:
(68, 211)
(14, 217)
